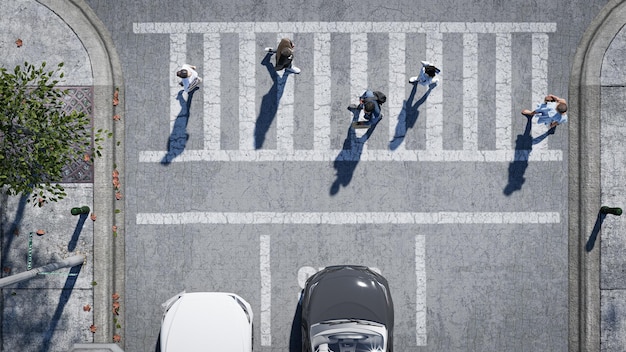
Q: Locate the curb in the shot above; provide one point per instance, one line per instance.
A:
(584, 175)
(107, 77)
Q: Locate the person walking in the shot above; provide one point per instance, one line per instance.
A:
(369, 102)
(427, 75)
(552, 112)
(189, 77)
(284, 56)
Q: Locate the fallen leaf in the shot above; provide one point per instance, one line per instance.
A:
(86, 157)
(116, 97)
(19, 43)
(93, 328)
(87, 308)
(117, 338)
(115, 296)
(118, 195)
(41, 201)
(116, 117)
(114, 228)
(116, 173)
(93, 217)
(41, 232)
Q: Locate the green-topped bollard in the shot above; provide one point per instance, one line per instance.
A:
(81, 210)
(612, 211)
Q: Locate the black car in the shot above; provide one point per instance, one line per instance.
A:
(347, 308)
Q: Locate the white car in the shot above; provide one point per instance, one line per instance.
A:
(206, 321)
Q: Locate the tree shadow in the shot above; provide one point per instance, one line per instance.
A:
(77, 230)
(345, 163)
(14, 227)
(66, 292)
(407, 117)
(295, 337)
(517, 168)
(594, 233)
(269, 103)
(177, 141)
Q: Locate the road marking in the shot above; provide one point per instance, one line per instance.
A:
(322, 101)
(396, 31)
(341, 27)
(266, 290)
(503, 91)
(397, 83)
(247, 90)
(347, 218)
(470, 91)
(539, 86)
(178, 57)
(434, 109)
(213, 96)
(285, 114)
(420, 294)
(265, 155)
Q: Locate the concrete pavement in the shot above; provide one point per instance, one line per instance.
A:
(52, 312)
(73, 34)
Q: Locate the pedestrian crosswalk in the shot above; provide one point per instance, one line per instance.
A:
(398, 71)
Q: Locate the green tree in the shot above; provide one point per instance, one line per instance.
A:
(37, 137)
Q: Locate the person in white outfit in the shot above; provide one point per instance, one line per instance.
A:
(189, 77)
(427, 75)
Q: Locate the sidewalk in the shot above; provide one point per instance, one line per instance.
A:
(613, 170)
(56, 310)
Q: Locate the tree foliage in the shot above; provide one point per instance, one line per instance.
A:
(37, 137)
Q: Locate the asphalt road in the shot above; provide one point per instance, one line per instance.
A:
(443, 197)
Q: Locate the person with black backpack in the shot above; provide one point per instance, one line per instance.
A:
(370, 101)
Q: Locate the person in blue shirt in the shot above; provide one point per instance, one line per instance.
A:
(551, 113)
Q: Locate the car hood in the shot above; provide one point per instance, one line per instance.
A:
(348, 293)
(212, 321)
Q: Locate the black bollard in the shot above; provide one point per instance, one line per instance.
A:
(81, 210)
(612, 211)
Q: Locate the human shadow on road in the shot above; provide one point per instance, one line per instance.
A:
(345, 163)
(517, 168)
(594, 233)
(269, 103)
(177, 141)
(295, 337)
(56, 317)
(407, 117)
(545, 135)
(77, 230)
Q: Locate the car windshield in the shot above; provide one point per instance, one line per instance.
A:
(349, 335)
(373, 344)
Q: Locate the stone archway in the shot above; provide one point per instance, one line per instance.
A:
(585, 182)
(107, 78)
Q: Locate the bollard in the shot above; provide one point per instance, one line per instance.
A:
(609, 210)
(81, 210)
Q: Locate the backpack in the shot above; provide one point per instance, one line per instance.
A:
(381, 98)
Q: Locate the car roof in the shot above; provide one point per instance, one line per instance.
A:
(206, 320)
(348, 292)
